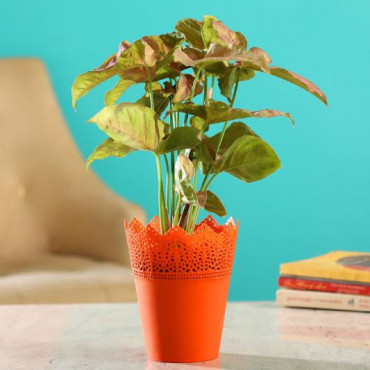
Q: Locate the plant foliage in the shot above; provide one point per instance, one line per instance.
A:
(171, 119)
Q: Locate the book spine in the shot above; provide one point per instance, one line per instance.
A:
(330, 301)
(323, 286)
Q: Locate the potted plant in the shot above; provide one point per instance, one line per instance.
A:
(181, 268)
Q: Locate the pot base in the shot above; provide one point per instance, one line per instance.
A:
(183, 319)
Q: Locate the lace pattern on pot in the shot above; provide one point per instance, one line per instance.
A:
(206, 254)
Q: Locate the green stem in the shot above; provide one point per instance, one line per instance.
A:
(177, 122)
(210, 181)
(196, 214)
(177, 212)
(195, 82)
(193, 208)
(149, 75)
(167, 182)
(161, 200)
(205, 185)
(163, 215)
(205, 88)
(172, 170)
(197, 210)
(224, 128)
(213, 86)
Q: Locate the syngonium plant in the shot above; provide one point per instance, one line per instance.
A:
(178, 69)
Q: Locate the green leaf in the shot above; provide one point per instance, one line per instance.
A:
(299, 81)
(246, 73)
(156, 86)
(217, 111)
(209, 34)
(190, 28)
(161, 101)
(189, 108)
(227, 80)
(207, 150)
(109, 148)
(112, 95)
(179, 138)
(228, 76)
(218, 68)
(184, 88)
(131, 124)
(184, 171)
(199, 123)
(235, 131)
(127, 55)
(250, 159)
(215, 32)
(210, 201)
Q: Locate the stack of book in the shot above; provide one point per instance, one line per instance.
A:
(337, 281)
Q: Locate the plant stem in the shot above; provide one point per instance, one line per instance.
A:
(160, 199)
(212, 86)
(231, 105)
(172, 170)
(195, 82)
(210, 181)
(150, 86)
(223, 129)
(167, 182)
(205, 185)
(205, 88)
(193, 208)
(177, 212)
(163, 216)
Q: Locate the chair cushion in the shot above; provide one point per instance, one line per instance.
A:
(65, 279)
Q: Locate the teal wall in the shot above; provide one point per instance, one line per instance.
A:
(319, 200)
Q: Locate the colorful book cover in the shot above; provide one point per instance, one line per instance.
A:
(329, 301)
(347, 266)
(324, 285)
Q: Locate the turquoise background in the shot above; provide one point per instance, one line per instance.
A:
(319, 200)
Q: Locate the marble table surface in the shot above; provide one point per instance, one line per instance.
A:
(256, 336)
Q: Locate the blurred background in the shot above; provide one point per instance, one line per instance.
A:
(319, 200)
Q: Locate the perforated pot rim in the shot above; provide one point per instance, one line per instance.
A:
(208, 253)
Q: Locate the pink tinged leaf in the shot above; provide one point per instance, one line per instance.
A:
(253, 59)
(184, 88)
(202, 198)
(149, 55)
(299, 81)
(187, 56)
(111, 61)
(228, 37)
(256, 59)
(269, 113)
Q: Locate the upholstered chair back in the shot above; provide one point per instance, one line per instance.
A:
(49, 202)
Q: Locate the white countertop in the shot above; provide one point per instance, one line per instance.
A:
(108, 336)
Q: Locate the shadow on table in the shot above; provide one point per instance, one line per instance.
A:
(230, 361)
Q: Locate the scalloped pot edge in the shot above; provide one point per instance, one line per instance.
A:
(208, 223)
(208, 253)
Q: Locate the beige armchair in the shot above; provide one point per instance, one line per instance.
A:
(61, 229)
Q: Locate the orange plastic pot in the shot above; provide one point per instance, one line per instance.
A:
(182, 282)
